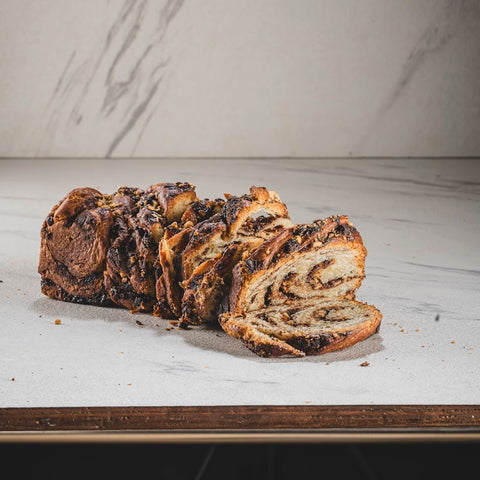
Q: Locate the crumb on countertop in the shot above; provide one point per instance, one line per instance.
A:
(58, 321)
(365, 364)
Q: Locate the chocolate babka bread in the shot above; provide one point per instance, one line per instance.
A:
(304, 277)
(283, 289)
(198, 261)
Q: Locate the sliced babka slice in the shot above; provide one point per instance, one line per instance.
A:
(306, 327)
(324, 260)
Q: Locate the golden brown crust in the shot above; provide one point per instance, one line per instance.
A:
(201, 210)
(174, 198)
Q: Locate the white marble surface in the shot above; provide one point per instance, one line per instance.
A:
(420, 223)
(153, 78)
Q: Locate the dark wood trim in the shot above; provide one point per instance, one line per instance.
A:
(243, 418)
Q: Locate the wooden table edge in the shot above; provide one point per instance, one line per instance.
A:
(264, 423)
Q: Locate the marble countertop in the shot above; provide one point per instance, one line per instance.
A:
(420, 223)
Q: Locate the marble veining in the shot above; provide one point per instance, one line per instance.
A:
(422, 232)
(278, 78)
(127, 71)
(431, 41)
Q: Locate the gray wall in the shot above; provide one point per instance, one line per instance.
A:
(239, 78)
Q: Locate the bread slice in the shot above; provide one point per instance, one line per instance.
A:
(295, 294)
(323, 260)
(306, 327)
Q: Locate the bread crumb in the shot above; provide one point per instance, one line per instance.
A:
(417, 330)
(365, 364)
(168, 329)
(13, 379)
(453, 341)
(139, 323)
(58, 321)
(308, 401)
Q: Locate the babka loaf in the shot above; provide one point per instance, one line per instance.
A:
(295, 293)
(283, 289)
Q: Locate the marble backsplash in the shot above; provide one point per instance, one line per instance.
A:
(206, 78)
